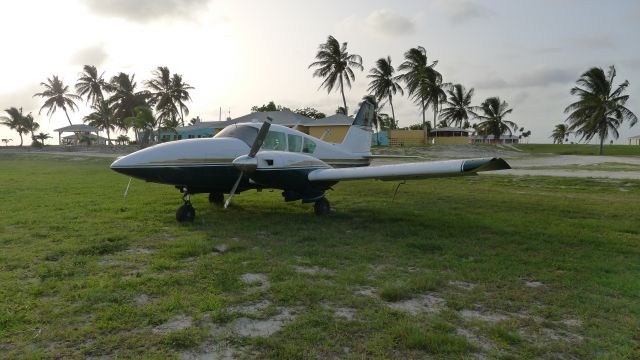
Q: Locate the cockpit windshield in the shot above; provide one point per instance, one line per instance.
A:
(245, 133)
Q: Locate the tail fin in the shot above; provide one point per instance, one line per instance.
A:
(358, 138)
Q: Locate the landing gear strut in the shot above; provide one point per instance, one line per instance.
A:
(186, 212)
(216, 198)
(322, 206)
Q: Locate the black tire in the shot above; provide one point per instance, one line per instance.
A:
(185, 213)
(216, 198)
(322, 207)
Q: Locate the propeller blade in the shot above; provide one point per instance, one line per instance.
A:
(233, 190)
(259, 139)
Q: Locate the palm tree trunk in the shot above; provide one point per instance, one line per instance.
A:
(344, 101)
(424, 119)
(181, 117)
(108, 137)
(393, 113)
(20, 134)
(69, 119)
(601, 151)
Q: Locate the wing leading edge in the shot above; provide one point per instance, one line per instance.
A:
(407, 171)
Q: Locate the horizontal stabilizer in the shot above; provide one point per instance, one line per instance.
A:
(407, 171)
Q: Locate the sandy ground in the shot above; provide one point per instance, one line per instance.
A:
(521, 162)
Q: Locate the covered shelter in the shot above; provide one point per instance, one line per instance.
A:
(450, 135)
(77, 129)
(634, 140)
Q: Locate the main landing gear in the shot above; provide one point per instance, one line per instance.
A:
(322, 206)
(216, 198)
(186, 212)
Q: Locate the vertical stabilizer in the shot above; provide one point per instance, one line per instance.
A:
(358, 138)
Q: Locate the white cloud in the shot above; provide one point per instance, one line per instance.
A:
(93, 55)
(389, 23)
(146, 10)
(544, 76)
(590, 42)
(463, 10)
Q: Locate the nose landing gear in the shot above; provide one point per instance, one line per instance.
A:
(186, 212)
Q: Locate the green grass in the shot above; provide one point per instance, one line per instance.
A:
(579, 149)
(606, 166)
(85, 273)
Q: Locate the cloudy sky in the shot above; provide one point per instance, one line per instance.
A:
(243, 53)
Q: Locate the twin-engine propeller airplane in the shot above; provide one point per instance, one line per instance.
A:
(264, 156)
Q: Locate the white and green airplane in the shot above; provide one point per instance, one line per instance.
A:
(260, 156)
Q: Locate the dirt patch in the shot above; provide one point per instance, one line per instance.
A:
(533, 284)
(365, 291)
(426, 303)
(462, 285)
(341, 312)
(139, 251)
(313, 270)
(142, 299)
(479, 341)
(571, 322)
(259, 282)
(483, 316)
(176, 323)
(222, 248)
(254, 308)
(246, 327)
(211, 352)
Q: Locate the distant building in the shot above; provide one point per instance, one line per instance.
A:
(449, 136)
(80, 131)
(634, 140)
(490, 139)
(331, 129)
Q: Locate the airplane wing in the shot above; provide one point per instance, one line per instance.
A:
(407, 171)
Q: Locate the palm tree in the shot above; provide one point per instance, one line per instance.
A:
(57, 96)
(6, 141)
(122, 139)
(30, 125)
(143, 121)
(42, 137)
(560, 133)
(417, 74)
(600, 109)
(160, 95)
(15, 121)
(102, 117)
(334, 65)
(125, 98)
(91, 85)
(384, 83)
(180, 94)
(434, 92)
(458, 106)
(492, 113)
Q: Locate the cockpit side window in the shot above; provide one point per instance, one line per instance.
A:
(245, 133)
(275, 140)
(308, 146)
(295, 143)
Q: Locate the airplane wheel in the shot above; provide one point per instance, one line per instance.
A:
(216, 198)
(322, 207)
(185, 212)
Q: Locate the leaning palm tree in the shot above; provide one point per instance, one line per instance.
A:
(15, 121)
(57, 96)
(160, 94)
(560, 133)
(102, 117)
(492, 113)
(143, 122)
(91, 85)
(335, 64)
(600, 109)
(434, 92)
(384, 83)
(416, 76)
(458, 106)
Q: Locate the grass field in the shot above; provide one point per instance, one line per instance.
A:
(495, 266)
(579, 149)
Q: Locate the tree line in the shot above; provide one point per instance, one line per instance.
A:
(116, 104)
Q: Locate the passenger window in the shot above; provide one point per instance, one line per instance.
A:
(308, 146)
(295, 143)
(275, 141)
